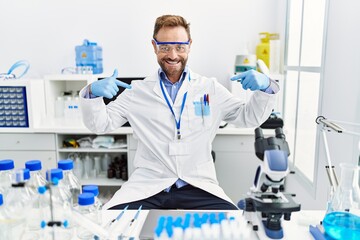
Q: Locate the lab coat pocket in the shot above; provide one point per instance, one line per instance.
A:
(200, 116)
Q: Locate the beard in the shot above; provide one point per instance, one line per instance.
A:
(172, 67)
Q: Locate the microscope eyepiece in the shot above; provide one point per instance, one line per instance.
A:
(259, 133)
(279, 133)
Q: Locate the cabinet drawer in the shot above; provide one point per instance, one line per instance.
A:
(27, 141)
(47, 158)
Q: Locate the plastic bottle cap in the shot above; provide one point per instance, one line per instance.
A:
(33, 165)
(1, 199)
(67, 164)
(54, 173)
(26, 174)
(94, 189)
(6, 164)
(86, 199)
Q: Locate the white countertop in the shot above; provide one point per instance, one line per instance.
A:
(295, 229)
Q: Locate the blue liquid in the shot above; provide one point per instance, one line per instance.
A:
(342, 225)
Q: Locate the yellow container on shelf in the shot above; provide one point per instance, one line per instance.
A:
(263, 48)
(268, 50)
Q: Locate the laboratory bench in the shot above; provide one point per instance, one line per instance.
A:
(295, 229)
(235, 160)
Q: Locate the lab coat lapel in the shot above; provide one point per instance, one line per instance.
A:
(157, 88)
(183, 89)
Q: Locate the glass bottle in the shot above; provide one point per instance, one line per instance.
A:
(94, 189)
(87, 209)
(17, 204)
(78, 167)
(105, 161)
(4, 228)
(36, 180)
(59, 209)
(70, 180)
(88, 166)
(6, 172)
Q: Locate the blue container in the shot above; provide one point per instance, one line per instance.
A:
(342, 225)
(90, 55)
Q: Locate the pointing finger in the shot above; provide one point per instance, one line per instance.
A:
(122, 84)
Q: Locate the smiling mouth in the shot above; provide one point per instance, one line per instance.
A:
(170, 62)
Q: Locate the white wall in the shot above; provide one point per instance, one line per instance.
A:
(46, 32)
(340, 99)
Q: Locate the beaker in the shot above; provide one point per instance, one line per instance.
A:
(347, 194)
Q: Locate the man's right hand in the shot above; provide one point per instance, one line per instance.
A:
(108, 87)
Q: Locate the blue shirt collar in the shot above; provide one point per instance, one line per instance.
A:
(164, 78)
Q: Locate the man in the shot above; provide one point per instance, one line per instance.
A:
(174, 114)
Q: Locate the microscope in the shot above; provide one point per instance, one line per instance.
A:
(267, 203)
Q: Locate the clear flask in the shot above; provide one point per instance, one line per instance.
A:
(59, 209)
(87, 209)
(70, 180)
(347, 195)
(6, 172)
(94, 189)
(343, 219)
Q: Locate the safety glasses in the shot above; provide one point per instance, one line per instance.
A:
(166, 47)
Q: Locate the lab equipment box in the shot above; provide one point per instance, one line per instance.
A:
(21, 103)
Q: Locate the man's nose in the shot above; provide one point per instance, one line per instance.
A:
(172, 53)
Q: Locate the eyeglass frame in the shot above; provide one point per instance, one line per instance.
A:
(171, 43)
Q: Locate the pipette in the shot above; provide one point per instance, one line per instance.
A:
(127, 233)
(111, 222)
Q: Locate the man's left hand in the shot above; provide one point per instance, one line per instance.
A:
(252, 80)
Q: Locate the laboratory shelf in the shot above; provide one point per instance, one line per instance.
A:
(93, 150)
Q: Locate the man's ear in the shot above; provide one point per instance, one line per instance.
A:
(154, 45)
(190, 44)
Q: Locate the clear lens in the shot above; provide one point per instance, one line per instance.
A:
(179, 48)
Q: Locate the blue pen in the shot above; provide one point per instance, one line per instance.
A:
(205, 100)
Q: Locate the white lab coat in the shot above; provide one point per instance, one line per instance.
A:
(160, 158)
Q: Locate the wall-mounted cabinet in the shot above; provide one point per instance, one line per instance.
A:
(60, 85)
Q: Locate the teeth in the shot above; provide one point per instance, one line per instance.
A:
(172, 62)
